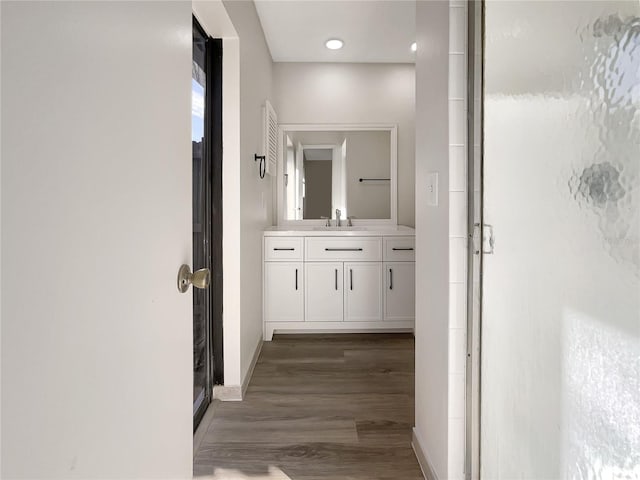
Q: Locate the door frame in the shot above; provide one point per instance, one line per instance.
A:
(475, 226)
(213, 157)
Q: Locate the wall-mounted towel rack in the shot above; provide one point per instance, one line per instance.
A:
(374, 180)
(262, 168)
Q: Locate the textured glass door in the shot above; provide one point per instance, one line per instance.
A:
(560, 369)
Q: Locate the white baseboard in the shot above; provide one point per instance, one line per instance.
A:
(227, 393)
(235, 393)
(337, 327)
(423, 459)
(252, 367)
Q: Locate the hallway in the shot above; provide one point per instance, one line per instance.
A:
(319, 407)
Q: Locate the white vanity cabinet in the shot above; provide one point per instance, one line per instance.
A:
(324, 292)
(283, 279)
(334, 282)
(399, 291)
(284, 298)
(362, 300)
(399, 278)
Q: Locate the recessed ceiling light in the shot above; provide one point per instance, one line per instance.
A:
(414, 47)
(334, 44)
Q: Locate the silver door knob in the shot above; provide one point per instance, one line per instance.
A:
(199, 279)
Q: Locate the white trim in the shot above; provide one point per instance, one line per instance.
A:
(422, 457)
(228, 393)
(358, 127)
(252, 367)
(235, 393)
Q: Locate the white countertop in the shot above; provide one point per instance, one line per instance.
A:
(356, 231)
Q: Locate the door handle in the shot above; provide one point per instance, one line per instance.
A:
(296, 279)
(391, 279)
(475, 240)
(488, 238)
(199, 279)
(350, 279)
(336, 279)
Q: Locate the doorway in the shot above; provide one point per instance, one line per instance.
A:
(206, 138)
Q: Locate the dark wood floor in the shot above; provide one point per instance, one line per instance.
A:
(319, 407)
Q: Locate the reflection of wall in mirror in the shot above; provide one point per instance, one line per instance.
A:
(368, 157)
(339, 183)
(290, 172)
(299, 181)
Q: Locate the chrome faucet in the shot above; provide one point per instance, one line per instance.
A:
(337, 217)
(349, 222)
(328, 221)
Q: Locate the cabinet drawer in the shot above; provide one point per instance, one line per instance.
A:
(283, 249)
(399, 249)
(331, 249)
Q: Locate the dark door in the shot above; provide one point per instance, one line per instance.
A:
(206, 137)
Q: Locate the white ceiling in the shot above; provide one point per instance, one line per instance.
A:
(373, 31)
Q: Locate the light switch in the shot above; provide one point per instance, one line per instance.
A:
(432, 189)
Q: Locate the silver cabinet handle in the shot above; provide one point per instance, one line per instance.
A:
(296, 279)
(350, 279)
(336, 279)
(199, 279)
(342, 249)
(391, 279)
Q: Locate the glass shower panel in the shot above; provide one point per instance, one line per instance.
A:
(560, 383)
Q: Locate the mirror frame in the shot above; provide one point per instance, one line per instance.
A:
(342, 127)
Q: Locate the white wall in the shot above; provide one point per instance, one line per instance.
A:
(355, 93)
(368, 157)
(0, 247)
(432, 236)
(457, 236)
(256, 194)
(96, 219)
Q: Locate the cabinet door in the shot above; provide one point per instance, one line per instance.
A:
(400, 290)
(324, 292)
(363, 292)
(283, 292)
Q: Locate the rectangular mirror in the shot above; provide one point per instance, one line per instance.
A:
(325, 168)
